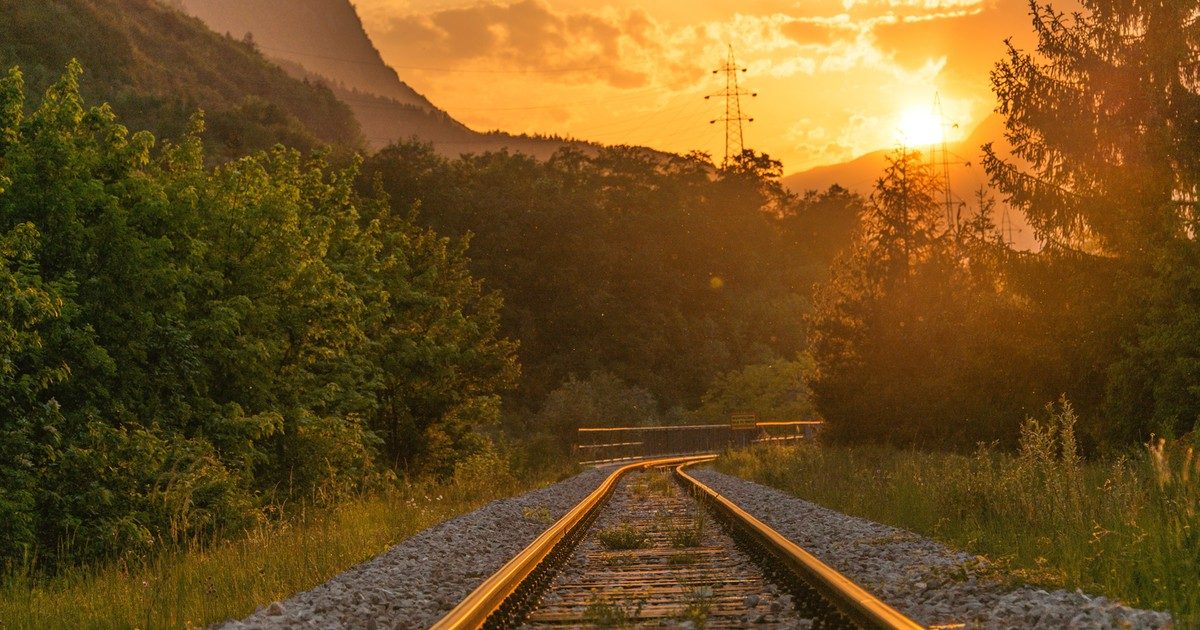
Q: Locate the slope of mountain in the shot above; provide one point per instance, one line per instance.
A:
(859, 174)
(326, 37)
(966, 173)
(157, 67)
(324, 40)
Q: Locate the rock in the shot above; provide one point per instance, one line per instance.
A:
(275, 609)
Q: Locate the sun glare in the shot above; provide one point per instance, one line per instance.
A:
(920, 127)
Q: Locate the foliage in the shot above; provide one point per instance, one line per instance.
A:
(1124, 527)
(156, 66)
(622, 537)
(602, 400)
(184, 346)
(1102, 122)
(774, 391)
(915, 338)
(194, 586)
(663, 271)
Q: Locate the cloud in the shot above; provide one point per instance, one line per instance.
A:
(528, 35)
(636, 71)
(969, 42)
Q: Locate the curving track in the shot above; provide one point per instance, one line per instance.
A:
(646, 550)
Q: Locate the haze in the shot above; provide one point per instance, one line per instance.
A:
(836, 78)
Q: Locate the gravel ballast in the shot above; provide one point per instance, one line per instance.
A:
(927, 581)
(418, 581)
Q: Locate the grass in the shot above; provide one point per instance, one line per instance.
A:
(655, 482)
(697, 604)
(604, 612)
(1127, 527)
(622, 537)
(683, 559)
(692, 533)
(194, 587)
(538, 514)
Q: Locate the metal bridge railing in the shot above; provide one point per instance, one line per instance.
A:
(596, 445)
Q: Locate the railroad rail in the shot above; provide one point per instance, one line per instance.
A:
(661, 563)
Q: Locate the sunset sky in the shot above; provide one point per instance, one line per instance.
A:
(836, 78)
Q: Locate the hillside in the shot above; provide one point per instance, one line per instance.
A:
(325, 37)
(324, 41)
(860, 173)
(966, 172)
(157, 67)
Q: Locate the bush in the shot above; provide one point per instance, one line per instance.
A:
(1126, 527)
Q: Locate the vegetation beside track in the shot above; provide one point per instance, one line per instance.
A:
(1127, 527)
(197, 585)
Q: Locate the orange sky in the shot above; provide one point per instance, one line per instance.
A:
(835, 77)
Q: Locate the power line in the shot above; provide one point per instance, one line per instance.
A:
(733, 118)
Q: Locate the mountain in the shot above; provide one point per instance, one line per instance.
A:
(966, 173)
(325, 37)
(324, 40)
(860, 174)
(156, 67)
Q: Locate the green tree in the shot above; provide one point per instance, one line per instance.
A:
(915, 340)
(182, 345)
(601, 400)
(662, 270)
(774, 391)
(1102, 120)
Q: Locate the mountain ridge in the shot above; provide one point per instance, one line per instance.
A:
(325, 40)
(156, 67)
(860, 173)
(967, 176)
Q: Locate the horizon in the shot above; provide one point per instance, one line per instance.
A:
(613, 72)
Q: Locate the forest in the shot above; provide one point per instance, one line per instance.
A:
(200, 332)
(190, 346)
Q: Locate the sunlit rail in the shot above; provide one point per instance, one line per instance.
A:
(507, 597)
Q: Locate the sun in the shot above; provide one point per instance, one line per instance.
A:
(920, 127)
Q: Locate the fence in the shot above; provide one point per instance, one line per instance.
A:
(612, 444)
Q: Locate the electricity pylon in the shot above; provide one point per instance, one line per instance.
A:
(952, 213)
(733, 118)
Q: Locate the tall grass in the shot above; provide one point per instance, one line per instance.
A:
(1126, 527)
(195, 586)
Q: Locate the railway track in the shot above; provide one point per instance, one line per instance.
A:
(654, 547)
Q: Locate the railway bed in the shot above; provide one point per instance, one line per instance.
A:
(443, 572)
(654, 547)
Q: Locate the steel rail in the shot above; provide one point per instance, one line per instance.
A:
(485, 600)
(855, 602)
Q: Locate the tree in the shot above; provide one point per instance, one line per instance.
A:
(183, 345)
(601, 400)
(914, 339)
(662, 270)
(1103, 122)
(774, 391)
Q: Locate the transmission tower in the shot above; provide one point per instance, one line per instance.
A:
(1007, 227)
(952, 215)
(733, 118)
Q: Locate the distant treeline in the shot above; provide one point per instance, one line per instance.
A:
(664, 272)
